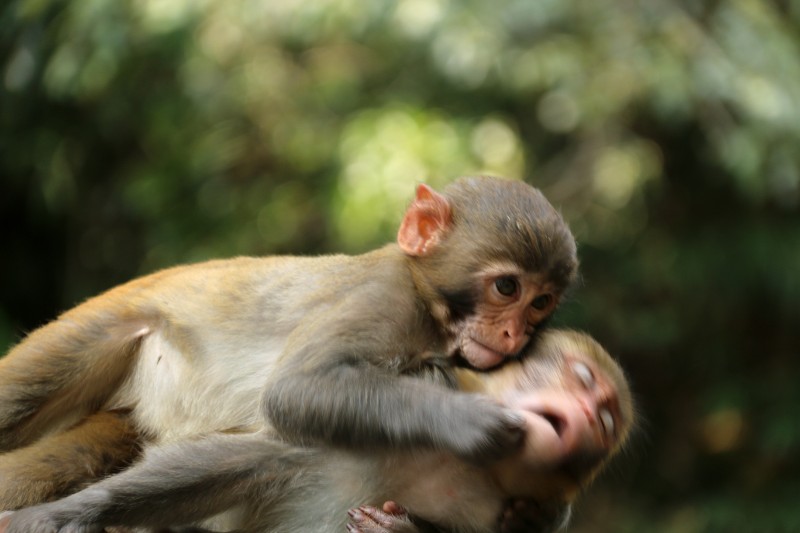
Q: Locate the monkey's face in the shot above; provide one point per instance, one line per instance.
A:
(509, 306)
(574, 424)
(492, 257)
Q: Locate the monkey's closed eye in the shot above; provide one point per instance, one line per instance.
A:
(584, 374)
(607, 421)
(541, 302)
(506, 285)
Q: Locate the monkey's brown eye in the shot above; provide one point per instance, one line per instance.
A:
(607, 420)
(584, 375)
(506, 286)
(541, 302)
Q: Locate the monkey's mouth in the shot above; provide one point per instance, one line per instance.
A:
(480, 356)
(558, 422)
(553, 428)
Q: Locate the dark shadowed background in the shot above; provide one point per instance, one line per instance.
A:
(136, 134)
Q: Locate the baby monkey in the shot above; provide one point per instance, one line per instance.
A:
(574, 399)
(322, 350)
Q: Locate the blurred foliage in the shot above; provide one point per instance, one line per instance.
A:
(135, 134)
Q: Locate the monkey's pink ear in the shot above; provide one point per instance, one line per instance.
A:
(426, 221)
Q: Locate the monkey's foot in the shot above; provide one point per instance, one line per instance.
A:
(368, 519)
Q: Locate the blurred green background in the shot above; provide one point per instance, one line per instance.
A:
(136, 134)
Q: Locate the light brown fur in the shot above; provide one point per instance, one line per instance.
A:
(103, 444)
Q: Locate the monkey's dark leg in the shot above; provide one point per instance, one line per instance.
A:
(69, 366)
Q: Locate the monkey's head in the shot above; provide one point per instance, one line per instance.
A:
(492, 258)
(578, 410)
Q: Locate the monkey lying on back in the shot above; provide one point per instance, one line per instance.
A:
(578, 412)
(323, 350)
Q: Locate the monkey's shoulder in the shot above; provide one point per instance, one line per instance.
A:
(373, 291)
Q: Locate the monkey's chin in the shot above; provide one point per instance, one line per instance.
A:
(480, 356)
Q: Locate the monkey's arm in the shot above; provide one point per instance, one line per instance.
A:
(337, 385)
(174, 485)
(359, 406)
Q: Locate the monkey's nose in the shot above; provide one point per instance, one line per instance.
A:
(514, 340)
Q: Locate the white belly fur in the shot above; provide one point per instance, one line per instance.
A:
(176, 395)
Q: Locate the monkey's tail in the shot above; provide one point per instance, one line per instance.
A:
(63, 371)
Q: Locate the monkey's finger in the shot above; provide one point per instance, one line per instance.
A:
(515, 425)
(368, 519)
(361, 521)
(392, 508)
(515, 420)
(377, 516)
(5, 517)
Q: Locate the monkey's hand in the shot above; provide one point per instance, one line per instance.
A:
(47, 518)
(528, 516)
(391, 519)
(481, 430)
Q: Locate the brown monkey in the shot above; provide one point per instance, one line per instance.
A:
(322, 349)
(578, 412)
